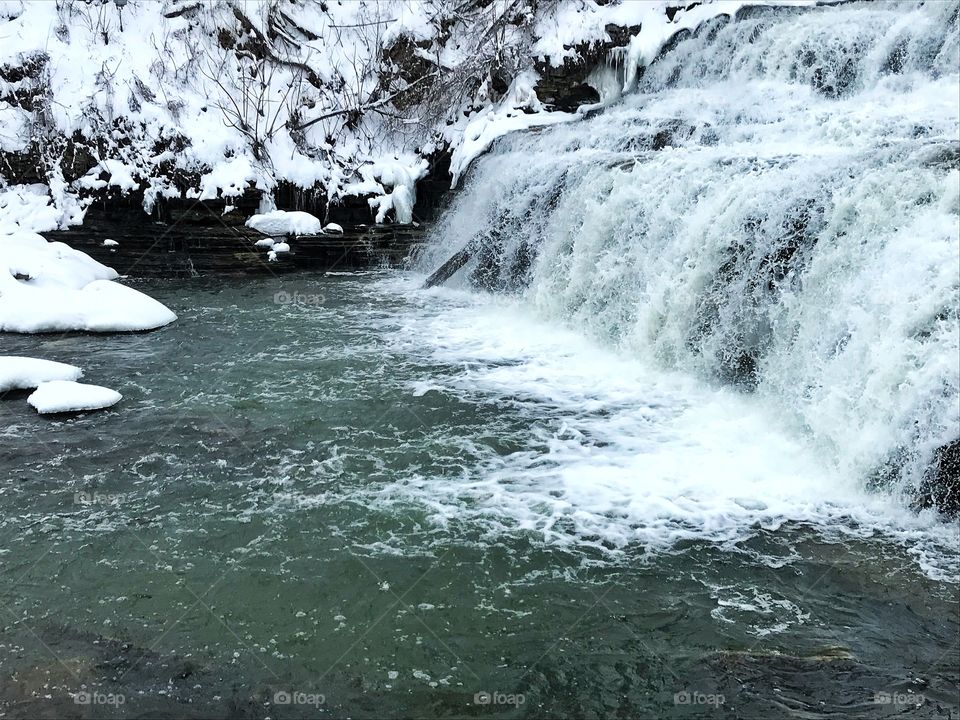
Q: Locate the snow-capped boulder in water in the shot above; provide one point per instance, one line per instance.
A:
(281, 222)
(333, 229)
(29, 256)
(100, 306)
(61, 396)
(50, 287)
(22, 373)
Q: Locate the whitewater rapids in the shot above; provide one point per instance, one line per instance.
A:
(774, 216)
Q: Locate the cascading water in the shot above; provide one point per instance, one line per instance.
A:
(776, 206)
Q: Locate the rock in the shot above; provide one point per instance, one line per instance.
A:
(940, 487)
(565, 87)
(184, 237)
(63, 396)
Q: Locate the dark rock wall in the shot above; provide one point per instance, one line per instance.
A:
(184, 237)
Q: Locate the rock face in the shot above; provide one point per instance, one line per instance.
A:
(941, 487)
(565, 87)
(183, 238)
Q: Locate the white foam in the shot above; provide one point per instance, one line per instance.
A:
(617, 454)
(775, 207)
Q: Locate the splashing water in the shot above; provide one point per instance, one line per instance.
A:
(775, 209)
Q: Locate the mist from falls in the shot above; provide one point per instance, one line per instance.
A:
(776, 207)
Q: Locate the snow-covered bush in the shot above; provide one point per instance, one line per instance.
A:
(199, 99)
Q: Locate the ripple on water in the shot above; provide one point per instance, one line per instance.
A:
(497, 476)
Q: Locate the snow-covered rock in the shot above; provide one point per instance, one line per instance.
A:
(22, 373)
(59, 396)
(520, 109)
(49, 286)
(281, 247)
(110, 243)
(282, 222)
(265, 243)
(30, 258)
(401, 175)
(333, 229)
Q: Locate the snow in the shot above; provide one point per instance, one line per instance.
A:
(231, 178)
(49, 286)
(402, 176)
(520, 109)
(30, 207)
(413, 20)
(281, 247)
(282, 222)
(120, 176)
(265, 243)
(110, 243)
(570, 24)
(333, 228)
(58, 396)
(20, 373)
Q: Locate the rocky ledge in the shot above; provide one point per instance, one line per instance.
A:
(200, 239)
(184, 237)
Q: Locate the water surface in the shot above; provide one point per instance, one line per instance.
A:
(342, 486)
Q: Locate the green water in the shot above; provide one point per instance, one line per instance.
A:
(265, 513)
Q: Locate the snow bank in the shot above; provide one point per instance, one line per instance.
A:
(281, 222)
(21, 373)
(58, 396)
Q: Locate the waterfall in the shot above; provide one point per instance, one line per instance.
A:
(775, 207)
